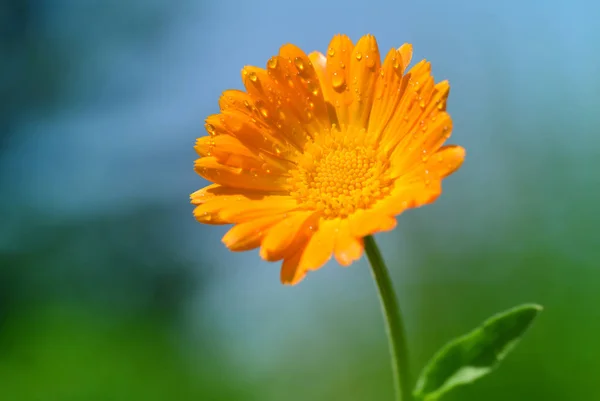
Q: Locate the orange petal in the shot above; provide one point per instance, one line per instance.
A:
(389, 89)
(319, 62)
(286, 234)
(253, 132)
(209, 214)
(239, 208)
(405, 53)
(244, 211)
(364, 70)
(421, 145)
(320, 246)
(202, 195)
(303, 87)
(270, 100)
(247, 236)
(225, 194)
(366, 222)
(447, 160)
(443, 163)
(410, 192)
(258, 180)
(347, 247)
(229, 151)
(409, 111)
(338, 67)
(290, 272)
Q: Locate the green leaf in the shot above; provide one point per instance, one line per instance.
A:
(474, 355)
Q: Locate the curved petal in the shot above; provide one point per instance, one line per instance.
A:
(348, 248)
(237, 177)
(319, 248)
(339, 57)
(389, 89)
(283, 238)
(319, 62)
(247, 236)
(290, 272)
(364, 69)
(302, 86)
(239, 208)
(367, 222)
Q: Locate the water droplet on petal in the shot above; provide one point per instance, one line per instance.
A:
(312, 88)
(272, 63)
(299, 63)
(359, 56)
(395, 63)
(252, 76)
(338, 81)
(370, 63)
(342, 65)
(210, 129)
(331, 52)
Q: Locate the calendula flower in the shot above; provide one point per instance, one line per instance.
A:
(320, 151)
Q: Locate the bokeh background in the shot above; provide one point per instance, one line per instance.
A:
(109, 289)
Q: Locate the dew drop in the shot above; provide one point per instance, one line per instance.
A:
(331, 52)
(252, 76)
(299, 63)
(272, 63)
(395, 63)
(210, 129)
(266, 168)
(422, 104)
(338, 81)
(370, 63)
(359, 56)
(312, 88)
(342, 65)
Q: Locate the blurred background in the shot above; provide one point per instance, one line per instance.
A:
(110, 290)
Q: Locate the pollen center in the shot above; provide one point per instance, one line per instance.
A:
(338, 177)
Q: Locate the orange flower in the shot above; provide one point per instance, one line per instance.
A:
(321, 151)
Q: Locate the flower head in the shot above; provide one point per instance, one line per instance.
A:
(323, 150)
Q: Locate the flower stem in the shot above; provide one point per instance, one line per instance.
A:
(395, 326)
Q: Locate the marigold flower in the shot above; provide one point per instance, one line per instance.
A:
(323, 150)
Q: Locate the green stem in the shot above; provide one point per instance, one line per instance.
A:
(395, 326)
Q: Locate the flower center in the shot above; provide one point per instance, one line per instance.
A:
(339, 174)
